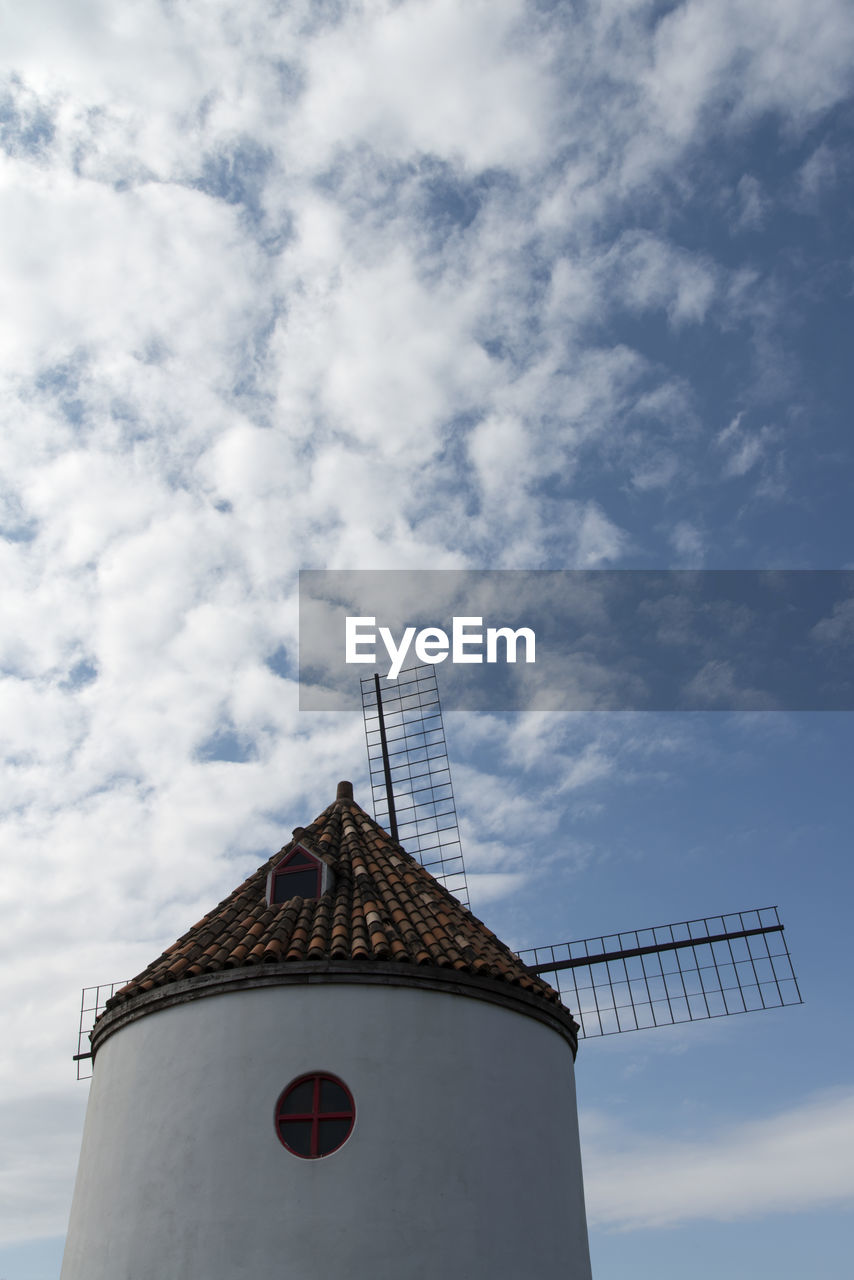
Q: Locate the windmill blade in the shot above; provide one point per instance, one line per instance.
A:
(410, 772)
(93, 1002)
(705, 968)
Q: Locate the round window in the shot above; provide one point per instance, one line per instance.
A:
(315, 1115)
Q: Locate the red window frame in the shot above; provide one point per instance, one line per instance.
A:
(315, 1115)
(284, 869)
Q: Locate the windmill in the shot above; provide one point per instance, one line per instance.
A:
(339, 1061)
(340, 1072)
(685, 971)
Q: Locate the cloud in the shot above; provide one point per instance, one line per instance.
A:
(480, 69)
(647, 273)
(748, 450)
(590, 766)
(817, 175)
(752, 205)
(363, 285)
(600, 541)
(838, 629)
(792, 1162)
(716, 684)
(688, 542)
(740, 61)
(41, 1138)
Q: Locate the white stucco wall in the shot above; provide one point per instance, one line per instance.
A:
(463, 1164)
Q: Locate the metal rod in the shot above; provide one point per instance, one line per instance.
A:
(551, 966)
(392, 816)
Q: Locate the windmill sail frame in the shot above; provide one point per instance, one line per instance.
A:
(410, 774)
(93, 1002)
(688, 971)
(710, 967)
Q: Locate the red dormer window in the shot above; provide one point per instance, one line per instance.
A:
(299, 874)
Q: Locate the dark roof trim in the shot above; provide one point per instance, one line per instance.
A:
(343, 972)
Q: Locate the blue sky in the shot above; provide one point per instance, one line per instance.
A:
(426, 285)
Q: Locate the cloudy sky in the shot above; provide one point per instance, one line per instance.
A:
(422, 284)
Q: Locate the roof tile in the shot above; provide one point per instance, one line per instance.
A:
(382, 904)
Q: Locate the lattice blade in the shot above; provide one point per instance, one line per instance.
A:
(411, 787)
(696, 969)
(93, 1001)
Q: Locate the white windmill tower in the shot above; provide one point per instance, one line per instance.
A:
(392, 1094)
(338, 1073)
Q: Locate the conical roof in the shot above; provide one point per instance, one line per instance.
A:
(382, 906)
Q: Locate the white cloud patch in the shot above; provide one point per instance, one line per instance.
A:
(838, 629)
(716, 685)
(746, 59)
(42, 1139)
(591, 765)
(647, 273)
(93, 269)
(745, 449)
(600, 541)
(656, 472)
(795, 1161)
(750, 204)
(817, 175)
(688, 542)
(480, 67)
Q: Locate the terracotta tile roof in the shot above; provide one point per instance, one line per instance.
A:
(382, 905)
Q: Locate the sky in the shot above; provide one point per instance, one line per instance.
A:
(405, 285)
